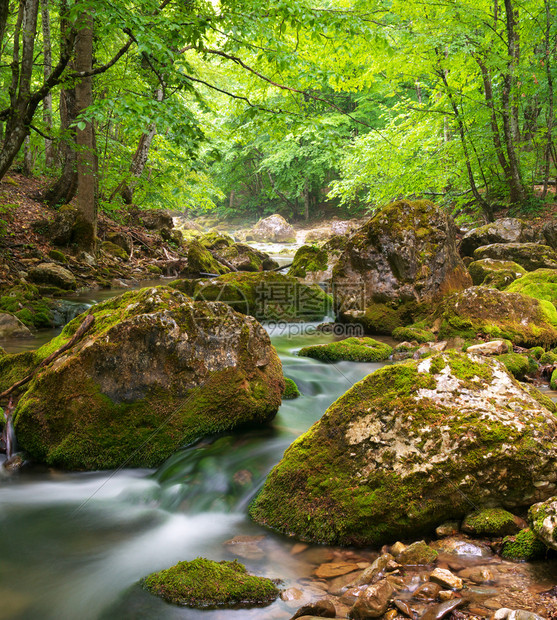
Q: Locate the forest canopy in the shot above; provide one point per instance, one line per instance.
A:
(253, 108)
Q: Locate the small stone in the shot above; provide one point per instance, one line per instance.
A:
(494, 347)
(501, 614)
(397, 548)
(324, 608)
(428, 591)
(391, 614)
(436, 612)
(298, 548)
(335, 569)
(417, 553)
(12, 327)
(446, 579)
(446, 595)
(291, 594)
(53, 275)
(374, 572)
(450, 528)
(477, 574)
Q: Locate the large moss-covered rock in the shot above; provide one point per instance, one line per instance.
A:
(200, 261)
(274, 229)
(404, 255)
(495, 273)
(489, 313)
(245, 258)
(505, 230)
(155, 372)
(214, 240)
(205, 584)
(543, 521)
(541, 284)
(266, 295)
(529, 255)
(409, 447)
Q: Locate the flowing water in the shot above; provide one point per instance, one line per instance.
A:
(74, 545)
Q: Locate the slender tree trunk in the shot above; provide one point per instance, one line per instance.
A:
(307, 198)
(509, 109)
(139, 161)
(87, 165)
(27, 157)
(4, 12)
(47, 103)
(551, 104)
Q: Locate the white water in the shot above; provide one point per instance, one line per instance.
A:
(75, 545)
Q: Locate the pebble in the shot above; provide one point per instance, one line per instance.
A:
(335, 569)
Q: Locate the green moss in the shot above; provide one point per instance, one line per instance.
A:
(523, 547)
(308, 258)
(489, 522)
(203, 583)
(58, 256)
(417, 332)
(540, 284)
(291, 390)
(494, 273)
(536, 352)
(550, 357)
(26, 302)
(214, 240)
(114, 250)
(553, 380)
(385, 318)
(16, 366)
(154, 269)
(350, 349)
(201, 261)
(544, 400)
(418, 553)
(518, 365)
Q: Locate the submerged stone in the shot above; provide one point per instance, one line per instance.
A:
(157, 371)
(203, 583)
(408, 448)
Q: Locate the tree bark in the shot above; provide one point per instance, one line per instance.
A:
(4, 12)
(87, 165)
(551, 104)
(47, 64)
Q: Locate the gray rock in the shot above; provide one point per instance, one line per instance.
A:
(274, 229)
(531, 256)
(12, 327)
(505, 230)
(51, 274)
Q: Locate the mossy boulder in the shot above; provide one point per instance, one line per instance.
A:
(200, 262)
(314, 264)
(410, 447)
(490, 522)
(543, 521)
(523, 547)
(266, 295)
(52, 274)
(384, 318)
(157, 371)
(114, 250)
(540, 284)
(206, 584)
(405, 254)
(505, 230)
(350, 350)
(518, 365)
(481, 312)
(531, 256)
(26, 303)
(495, 273)
(245, 258)
(291, 390)
(418, 332)
(58, 256)
(274, 229)
(214, 240)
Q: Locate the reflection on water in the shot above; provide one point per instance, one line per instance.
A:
(75, 545)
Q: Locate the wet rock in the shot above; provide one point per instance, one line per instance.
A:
(487, 312)
(245, 546)
(505, 230)
(447, 595)
(514, 614)
(373, 601)
(274, 229)
(436, 612)
(405, 608)
(335, 569)
(397, 548)
(543, 521)
(428, 591)
(450, 528)
(12, 327)
(52, 274)
(529, 255)
(324, 608)
(403, 257)
(153, 361)
(379, 464)
(417, 553)
(245, 258)
(349, 349)
(493, 347)
(313, 264)
(477, 574)
(292, 594)
(490, 522)
(446, 579)
(374, 572)
(459, 547)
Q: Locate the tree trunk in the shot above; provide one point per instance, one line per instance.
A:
(306, 201)
(550, 112)
(27, 157)
(87, 168)
(47, 103)
(4, 12)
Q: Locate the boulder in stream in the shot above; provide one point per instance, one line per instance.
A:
(531, 256)
(404, 257)
(411, 446)
(273, 229)
(156, 371)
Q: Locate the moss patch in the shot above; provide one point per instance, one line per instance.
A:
(540, 284)
(203, 583)
(27, 304)
(490, 522)
(418, 332)
(518, 365)
(308, 258)
(350, 349)
(523, 547)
